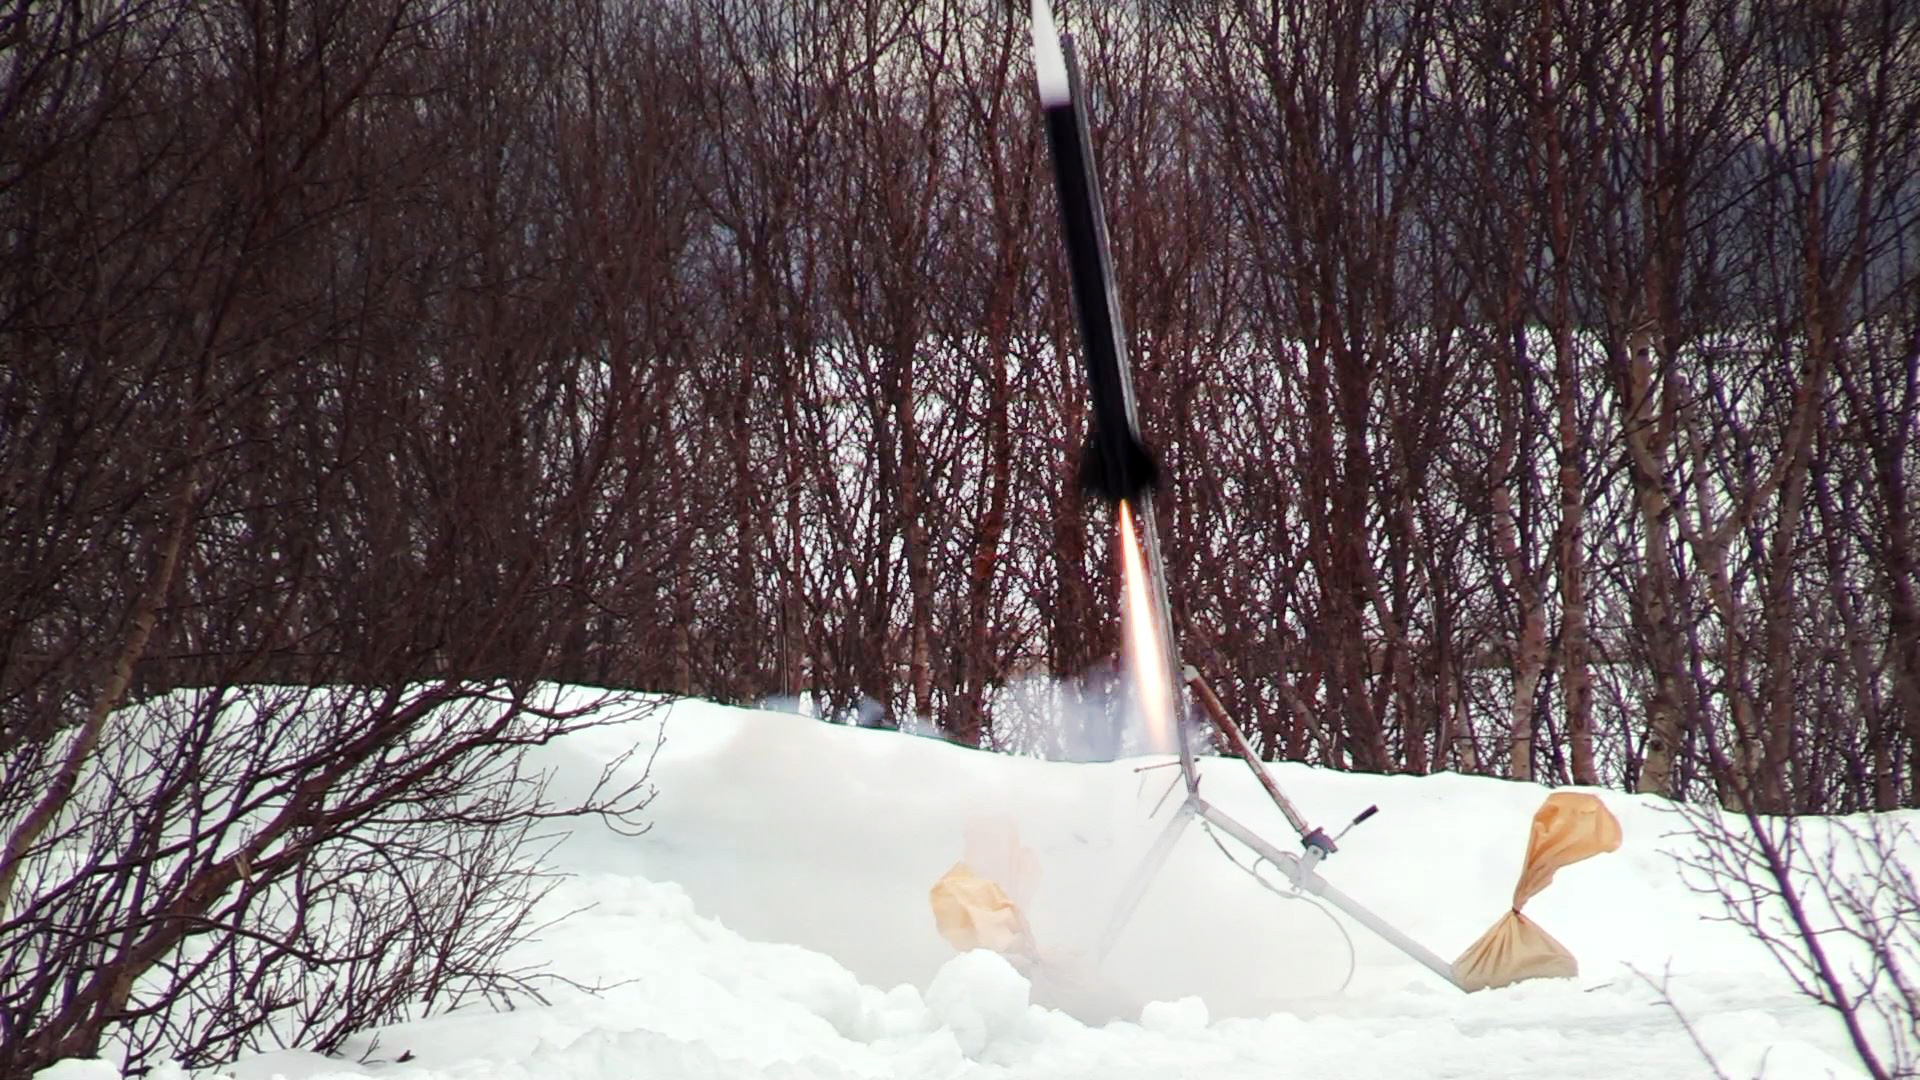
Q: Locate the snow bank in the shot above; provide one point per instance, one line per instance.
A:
(775, 923)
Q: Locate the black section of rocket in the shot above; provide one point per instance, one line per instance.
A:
(1116, 463)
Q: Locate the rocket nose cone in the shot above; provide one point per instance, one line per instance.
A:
(1049, 63)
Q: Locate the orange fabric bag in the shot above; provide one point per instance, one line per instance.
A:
(1569, 827)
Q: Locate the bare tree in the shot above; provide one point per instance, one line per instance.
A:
(305, 396)
(1837, 904)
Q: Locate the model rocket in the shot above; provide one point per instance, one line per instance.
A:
(1116, 464)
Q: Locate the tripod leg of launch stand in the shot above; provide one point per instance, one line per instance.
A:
(1143, 876)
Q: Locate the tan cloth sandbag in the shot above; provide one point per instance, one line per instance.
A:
(1568, 828)
(972, 912)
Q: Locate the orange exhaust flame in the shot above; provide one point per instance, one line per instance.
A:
(1143, 639)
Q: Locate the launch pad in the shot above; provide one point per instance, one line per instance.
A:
(1118, 466)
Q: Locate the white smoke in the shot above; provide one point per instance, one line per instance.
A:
(1094, 716)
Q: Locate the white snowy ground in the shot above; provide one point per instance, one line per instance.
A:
(775, 923)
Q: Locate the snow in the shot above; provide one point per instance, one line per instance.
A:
(775, 923)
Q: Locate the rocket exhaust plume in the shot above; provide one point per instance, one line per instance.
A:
(1116, 463)
(1140, 624)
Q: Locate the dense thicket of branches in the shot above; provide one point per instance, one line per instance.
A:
(1537, 383)
(322, 394)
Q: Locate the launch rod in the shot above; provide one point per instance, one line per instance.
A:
(1117, 464)
(1136, 887)
(1141, 497)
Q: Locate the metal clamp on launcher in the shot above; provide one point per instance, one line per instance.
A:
(1301, 869)
(1316, 843)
